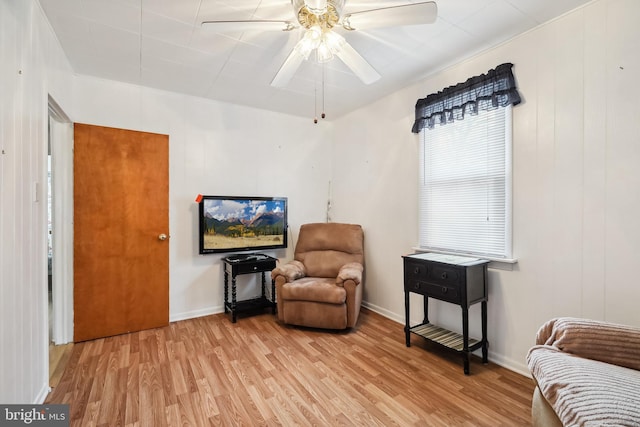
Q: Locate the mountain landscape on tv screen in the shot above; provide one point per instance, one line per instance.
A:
(265, 224)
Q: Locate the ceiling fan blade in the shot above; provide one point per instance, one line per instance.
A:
(249, 25)
(357, 64)
(407, 14)
(288, 68)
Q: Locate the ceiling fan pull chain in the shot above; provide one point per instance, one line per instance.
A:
(315, 102)
(323, 115)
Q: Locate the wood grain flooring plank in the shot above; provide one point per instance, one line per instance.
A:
(222, 366)
(112, 407)
(166, 377)
(152, 402)
(287, 413)
(172, 413)
(209, 368)
(303, 396)
(132, 389)
(233, 413)
(207, 397)
(189, 410)
(260, 401)
(90, 416)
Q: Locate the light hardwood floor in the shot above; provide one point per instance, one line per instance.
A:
(58, 359)
(209, 371)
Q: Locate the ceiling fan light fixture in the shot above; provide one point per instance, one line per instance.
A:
(314, 33)
(334, 40)
(323, 52)
(310, 41)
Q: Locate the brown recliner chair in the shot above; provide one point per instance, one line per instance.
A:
(322, 286)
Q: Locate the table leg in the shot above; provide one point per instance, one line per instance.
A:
(425, 307)
(273, 297)
(465, 339)
(233, 299)
(226, 291)
(485, 353)
(407, 333)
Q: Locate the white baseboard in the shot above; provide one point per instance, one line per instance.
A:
(383, 312)
(44, 392)
(510, 364)
(195, 313)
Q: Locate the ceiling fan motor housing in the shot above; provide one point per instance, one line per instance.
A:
(325, 18)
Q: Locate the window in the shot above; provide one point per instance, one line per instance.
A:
(465, 159)
(465, 185)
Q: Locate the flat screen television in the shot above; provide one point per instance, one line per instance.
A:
(235, 223)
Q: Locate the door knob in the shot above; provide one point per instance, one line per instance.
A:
(162, 237)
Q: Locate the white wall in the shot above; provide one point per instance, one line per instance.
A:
(576, 180)
(216, 149)
(33, 66)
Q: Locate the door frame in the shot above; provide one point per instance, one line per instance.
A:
(61, 140)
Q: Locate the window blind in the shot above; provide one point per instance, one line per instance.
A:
(465, 185)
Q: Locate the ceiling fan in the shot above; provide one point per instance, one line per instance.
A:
(318, 19)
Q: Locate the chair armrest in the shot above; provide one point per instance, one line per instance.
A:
(290, 271)
(351, 271)
(597, 340)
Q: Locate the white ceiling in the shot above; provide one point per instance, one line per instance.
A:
(161, 44)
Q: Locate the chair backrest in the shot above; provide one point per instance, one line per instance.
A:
(325, 247)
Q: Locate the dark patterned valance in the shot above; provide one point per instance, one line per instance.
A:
(496, 88)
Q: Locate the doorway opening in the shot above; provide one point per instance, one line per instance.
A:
(59, 238)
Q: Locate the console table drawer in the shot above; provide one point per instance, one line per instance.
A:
(441, 292)
(415, 271)
(445, 275)
(254, 267)
(444, 293)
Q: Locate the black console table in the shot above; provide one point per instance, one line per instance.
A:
(454, 279)
(235, 265)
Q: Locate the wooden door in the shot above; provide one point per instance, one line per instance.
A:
(121, 211)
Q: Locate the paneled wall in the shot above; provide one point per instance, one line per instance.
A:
(576, 179)
(32, 67)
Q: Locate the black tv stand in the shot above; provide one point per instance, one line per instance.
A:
(235, 265)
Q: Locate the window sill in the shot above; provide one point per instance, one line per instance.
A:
(496, 263)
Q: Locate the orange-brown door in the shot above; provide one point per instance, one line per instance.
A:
(121, 215)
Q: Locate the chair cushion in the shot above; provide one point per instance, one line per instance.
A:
(315, 289)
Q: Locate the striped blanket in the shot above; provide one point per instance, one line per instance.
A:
(588, 371)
